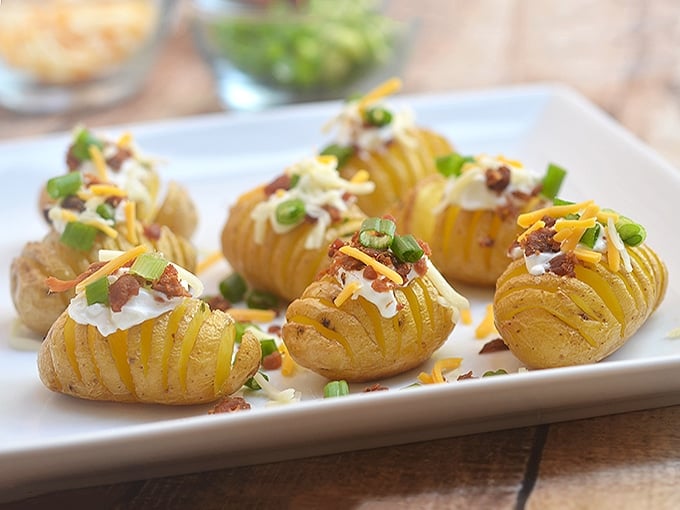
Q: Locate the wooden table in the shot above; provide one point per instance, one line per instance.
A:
(623, 55)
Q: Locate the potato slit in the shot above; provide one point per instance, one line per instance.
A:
(170, 332)
(324, 331)
(575, 326)
(414, 306)
(70, 346)
(602, 288)
(376, 321)
(471, 234)
(447, 230)
(118, 346)
(188, 342)
(491, 235)
(224, 355)
(429, 305)
(92, 336)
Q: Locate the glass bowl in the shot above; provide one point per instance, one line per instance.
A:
(270, 52)
(60, 55)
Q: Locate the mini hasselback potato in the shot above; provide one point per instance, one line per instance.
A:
(119, 162)
(582, 283)
(276, 236)
(373, 314)
(183, 353)
(387, 144)
(468, 212)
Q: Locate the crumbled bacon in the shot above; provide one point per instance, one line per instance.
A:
(281, 182)
(218, 303)
(230, 405)
(485, 242)
(498, 179)
(274, 329)
(116, 161)
(272, 361)
(466, 375)
(72, 162)
(540, 241)
(122, 290)
(375, 387)
(114, 201)
(57, 285)
(495, 345)
(153, 231)
(564, 265)
(169, 283)
(73, 203)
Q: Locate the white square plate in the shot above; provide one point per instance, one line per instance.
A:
(51, 441)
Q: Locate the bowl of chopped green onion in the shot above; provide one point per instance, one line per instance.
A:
(269, 52)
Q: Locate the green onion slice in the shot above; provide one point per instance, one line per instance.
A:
(341, 153)
(406, 248)
(64, 185)
(336, 389)
(252, 383)
(106, 211)
(630, 232)
(98, 291)
(377, 233)
(378, 116)
(82, 142)
(233, 288)
(149, 266)
(559, 201)
(290, 212)
(552, 181)
(490, 373)
(268, 346)
(261, 300)
(79, 236)
(451, 165)
(590, 236)
(240, 328)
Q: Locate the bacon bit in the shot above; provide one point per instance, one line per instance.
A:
(153, 231)
(116, 161)
(281, 182)
(495, 345)
(230, 405)
(169, 283)
(334, 247)
(272, 361)
(540, 241)
(375, 387)
(57, 285)
(218, 303)
(466, 375)
(564, 264)
(274, 329)
(122, 290)
(498, 179)
(485, 242)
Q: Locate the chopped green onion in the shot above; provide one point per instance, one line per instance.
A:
(489, 373)
(294, 179)
(559, 201)
(572, 216)
(552, 181)
(268, 346)
(106, 211)
(64, 185)
(452, 164)
(98, 291)
(79, 236)
(342, 154)
(82, 142)
(377, 232)
(149, 266)
(261, 300)
(252, 383)
(290, 212)
(630, 232)
(336, 389)
(378, 116)
(406, 248)
(240, 328)
(590, 236)
(233, 288)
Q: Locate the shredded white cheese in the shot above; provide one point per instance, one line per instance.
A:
(618, 244)
(448, 296)
(318, 186)
(276, 396)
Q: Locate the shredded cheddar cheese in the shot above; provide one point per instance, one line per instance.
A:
(125, 140)
(209, 261)
(370, 261)
(251, 315)
(385, 89)
(586, 255)
(102, 227)
(99, 162)
(466, 316)
(574, 224)
(527, 219)
(346, 293)
(131, 222)
(107, 190)
(533, 228)
(112, 265)
(288, 365)
(360, 176)
(486, 327)
(437, 376)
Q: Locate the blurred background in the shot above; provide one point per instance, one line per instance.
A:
(144, 60)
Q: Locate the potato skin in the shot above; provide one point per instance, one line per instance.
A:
(397, 168)
(552, 321)
(281, 264)
(467, 246)
(354, 342)
(37, 308)
(141, 365)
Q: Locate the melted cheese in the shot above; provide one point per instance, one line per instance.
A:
(347, 292)
(486, 327)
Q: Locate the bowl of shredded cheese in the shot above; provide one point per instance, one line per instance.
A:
(59, 55)
(269, 52)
